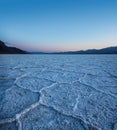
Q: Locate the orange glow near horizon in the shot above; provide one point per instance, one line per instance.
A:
(42, 48)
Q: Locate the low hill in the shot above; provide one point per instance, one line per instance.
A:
(10, 50)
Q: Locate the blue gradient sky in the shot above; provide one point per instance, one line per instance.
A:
(58, 25)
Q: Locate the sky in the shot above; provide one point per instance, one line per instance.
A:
(58, 25)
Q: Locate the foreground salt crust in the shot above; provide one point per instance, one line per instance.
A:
(67, 92)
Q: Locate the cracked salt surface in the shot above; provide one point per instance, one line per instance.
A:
(53, 92)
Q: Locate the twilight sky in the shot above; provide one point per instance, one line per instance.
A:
(58, 25)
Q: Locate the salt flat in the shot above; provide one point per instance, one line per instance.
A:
(58, 92)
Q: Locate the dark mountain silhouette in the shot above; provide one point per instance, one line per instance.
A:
(10, 50)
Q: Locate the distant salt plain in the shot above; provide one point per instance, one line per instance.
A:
(58, 92)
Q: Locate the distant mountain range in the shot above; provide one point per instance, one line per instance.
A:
(13, 50)
(108, 50)
(10, 50)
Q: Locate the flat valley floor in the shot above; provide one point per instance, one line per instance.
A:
(58, 92)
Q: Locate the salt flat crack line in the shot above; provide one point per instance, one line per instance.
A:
(99, 90)
(48, 87)
(8, 120)
(19, 115)
(85, 123)
(75, 106)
